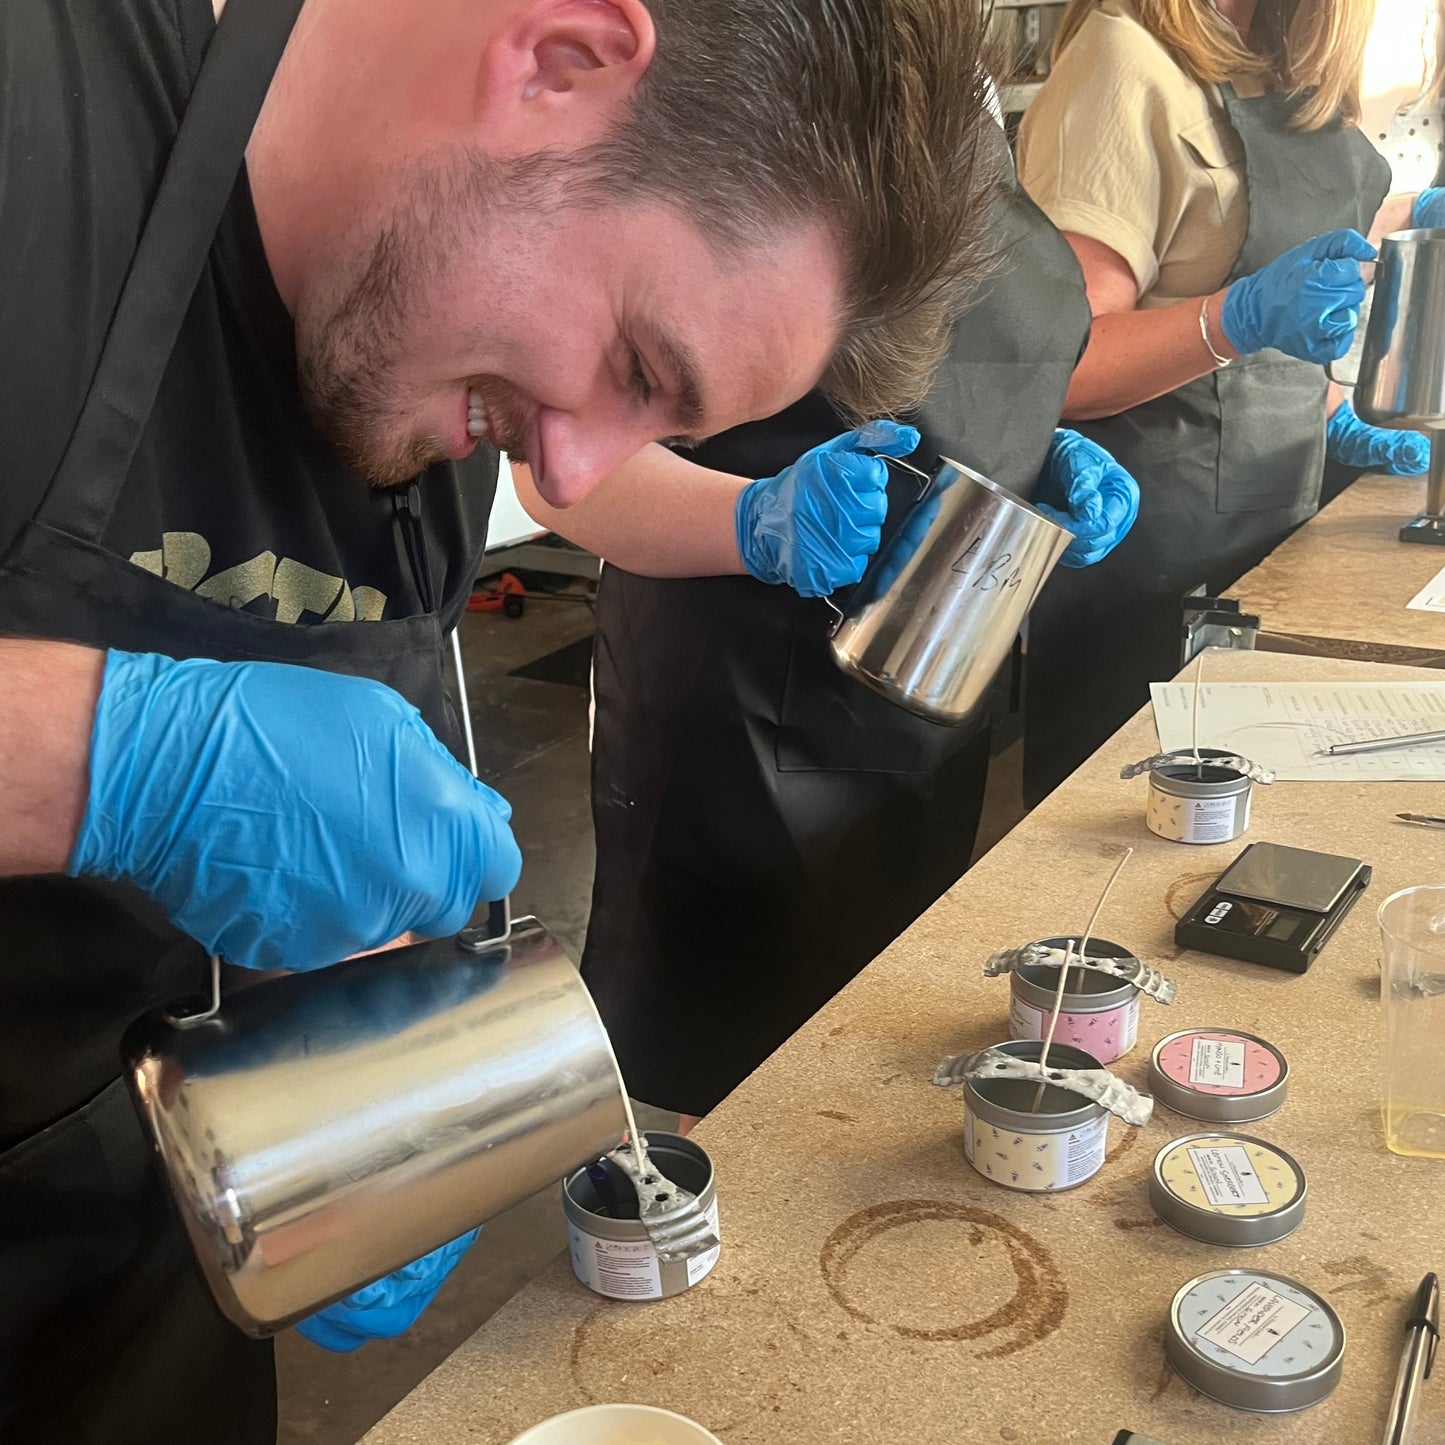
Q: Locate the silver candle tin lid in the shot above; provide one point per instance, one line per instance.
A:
(1221, 1076)
(1228, 1189)
(1088, 991)
(614, 1256)
(1255, 1340)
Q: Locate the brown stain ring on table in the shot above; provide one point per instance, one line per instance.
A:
(1181, 895)
(1035, 1310)
(1179, 898)
(1126, 1139)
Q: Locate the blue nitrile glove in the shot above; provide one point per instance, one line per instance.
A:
(388, 1306)
(1305, 303)
(1084, 489)
(815, 525)
(284, 817)
(1429, 208)
(1356, 444)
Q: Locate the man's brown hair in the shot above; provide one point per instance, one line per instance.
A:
(758, 114)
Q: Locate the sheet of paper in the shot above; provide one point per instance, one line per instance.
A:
(1287, 726)
(1431, 597)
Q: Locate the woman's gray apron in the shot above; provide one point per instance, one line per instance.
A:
(106, 1333)
(765, 825)
(1228, 466)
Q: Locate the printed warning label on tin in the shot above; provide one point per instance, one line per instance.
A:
(1252, 1324)
(1217, 1062)
(1086, 1146)
(1227, 1175)
(1211, 820)
(616, 1268)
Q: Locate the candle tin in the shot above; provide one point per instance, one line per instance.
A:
(610, 1249)
(1100, 1013)
(1194, 803)
(1228, 1189)
(1218, 1075)
(1057, 1148)
(1255, 1340)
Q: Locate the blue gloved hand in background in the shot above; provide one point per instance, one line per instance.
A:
(285, 817)
(388, 1306)
(1356, 444)
(1429, 208)
(1084, 489)
(815, 525)
(1305, 303)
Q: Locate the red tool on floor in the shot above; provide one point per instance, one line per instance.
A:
(507, 596)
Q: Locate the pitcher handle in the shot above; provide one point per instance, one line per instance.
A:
(924, 477)
(483, 937)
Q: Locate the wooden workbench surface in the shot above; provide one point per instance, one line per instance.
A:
(874, 1290)
(1339, 586)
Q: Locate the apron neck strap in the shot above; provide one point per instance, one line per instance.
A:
(199, 176)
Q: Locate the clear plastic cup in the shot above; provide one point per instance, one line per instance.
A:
(1412, 962)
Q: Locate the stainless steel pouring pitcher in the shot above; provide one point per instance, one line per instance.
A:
(1402, 364)
(320, 1130)
(938, 610)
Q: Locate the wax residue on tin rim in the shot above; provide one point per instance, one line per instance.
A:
(1273, 1174)
(1261, 1067)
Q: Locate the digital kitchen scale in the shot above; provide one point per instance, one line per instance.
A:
(1274, 905)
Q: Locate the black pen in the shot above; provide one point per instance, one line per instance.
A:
(1422, 1335)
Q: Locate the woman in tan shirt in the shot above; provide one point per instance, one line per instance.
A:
(1203, 163)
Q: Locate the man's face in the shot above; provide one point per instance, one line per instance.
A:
(568, 336)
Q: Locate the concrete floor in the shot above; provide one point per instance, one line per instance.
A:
(531, 741)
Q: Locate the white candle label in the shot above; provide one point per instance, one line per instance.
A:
(1087, 1146)
(628, 1269)
(1226, 1175)
(1217, 1062)
(1251, 1325)
(1210, 820)
(616, 1268)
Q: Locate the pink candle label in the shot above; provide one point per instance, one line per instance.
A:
(1108, 1034)
(1219, 1063)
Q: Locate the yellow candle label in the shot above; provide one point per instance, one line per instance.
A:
(1229, 1175)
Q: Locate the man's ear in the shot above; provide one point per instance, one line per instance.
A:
(560, 73)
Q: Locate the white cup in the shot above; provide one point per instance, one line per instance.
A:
(617, 1425)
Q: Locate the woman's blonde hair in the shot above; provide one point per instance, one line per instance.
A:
(1313, 49)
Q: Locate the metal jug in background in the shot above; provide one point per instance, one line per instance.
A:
(938, 610)
(1402, 363)
(319, 1130)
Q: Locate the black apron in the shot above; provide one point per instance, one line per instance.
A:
(765, 825)
(1228, 466)
(107, 1334)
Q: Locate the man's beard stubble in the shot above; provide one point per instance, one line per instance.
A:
(347, 348)
(345, 354)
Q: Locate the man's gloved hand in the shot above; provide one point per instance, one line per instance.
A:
(285, 817)
(1429, 208)
(1305, 303)
(816, 524)
(1380, 449)
(1084, 489)
(388, 1306)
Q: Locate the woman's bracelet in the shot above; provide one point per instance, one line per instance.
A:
(1219, 361)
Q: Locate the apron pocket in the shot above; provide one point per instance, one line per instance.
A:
(1272, 444)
